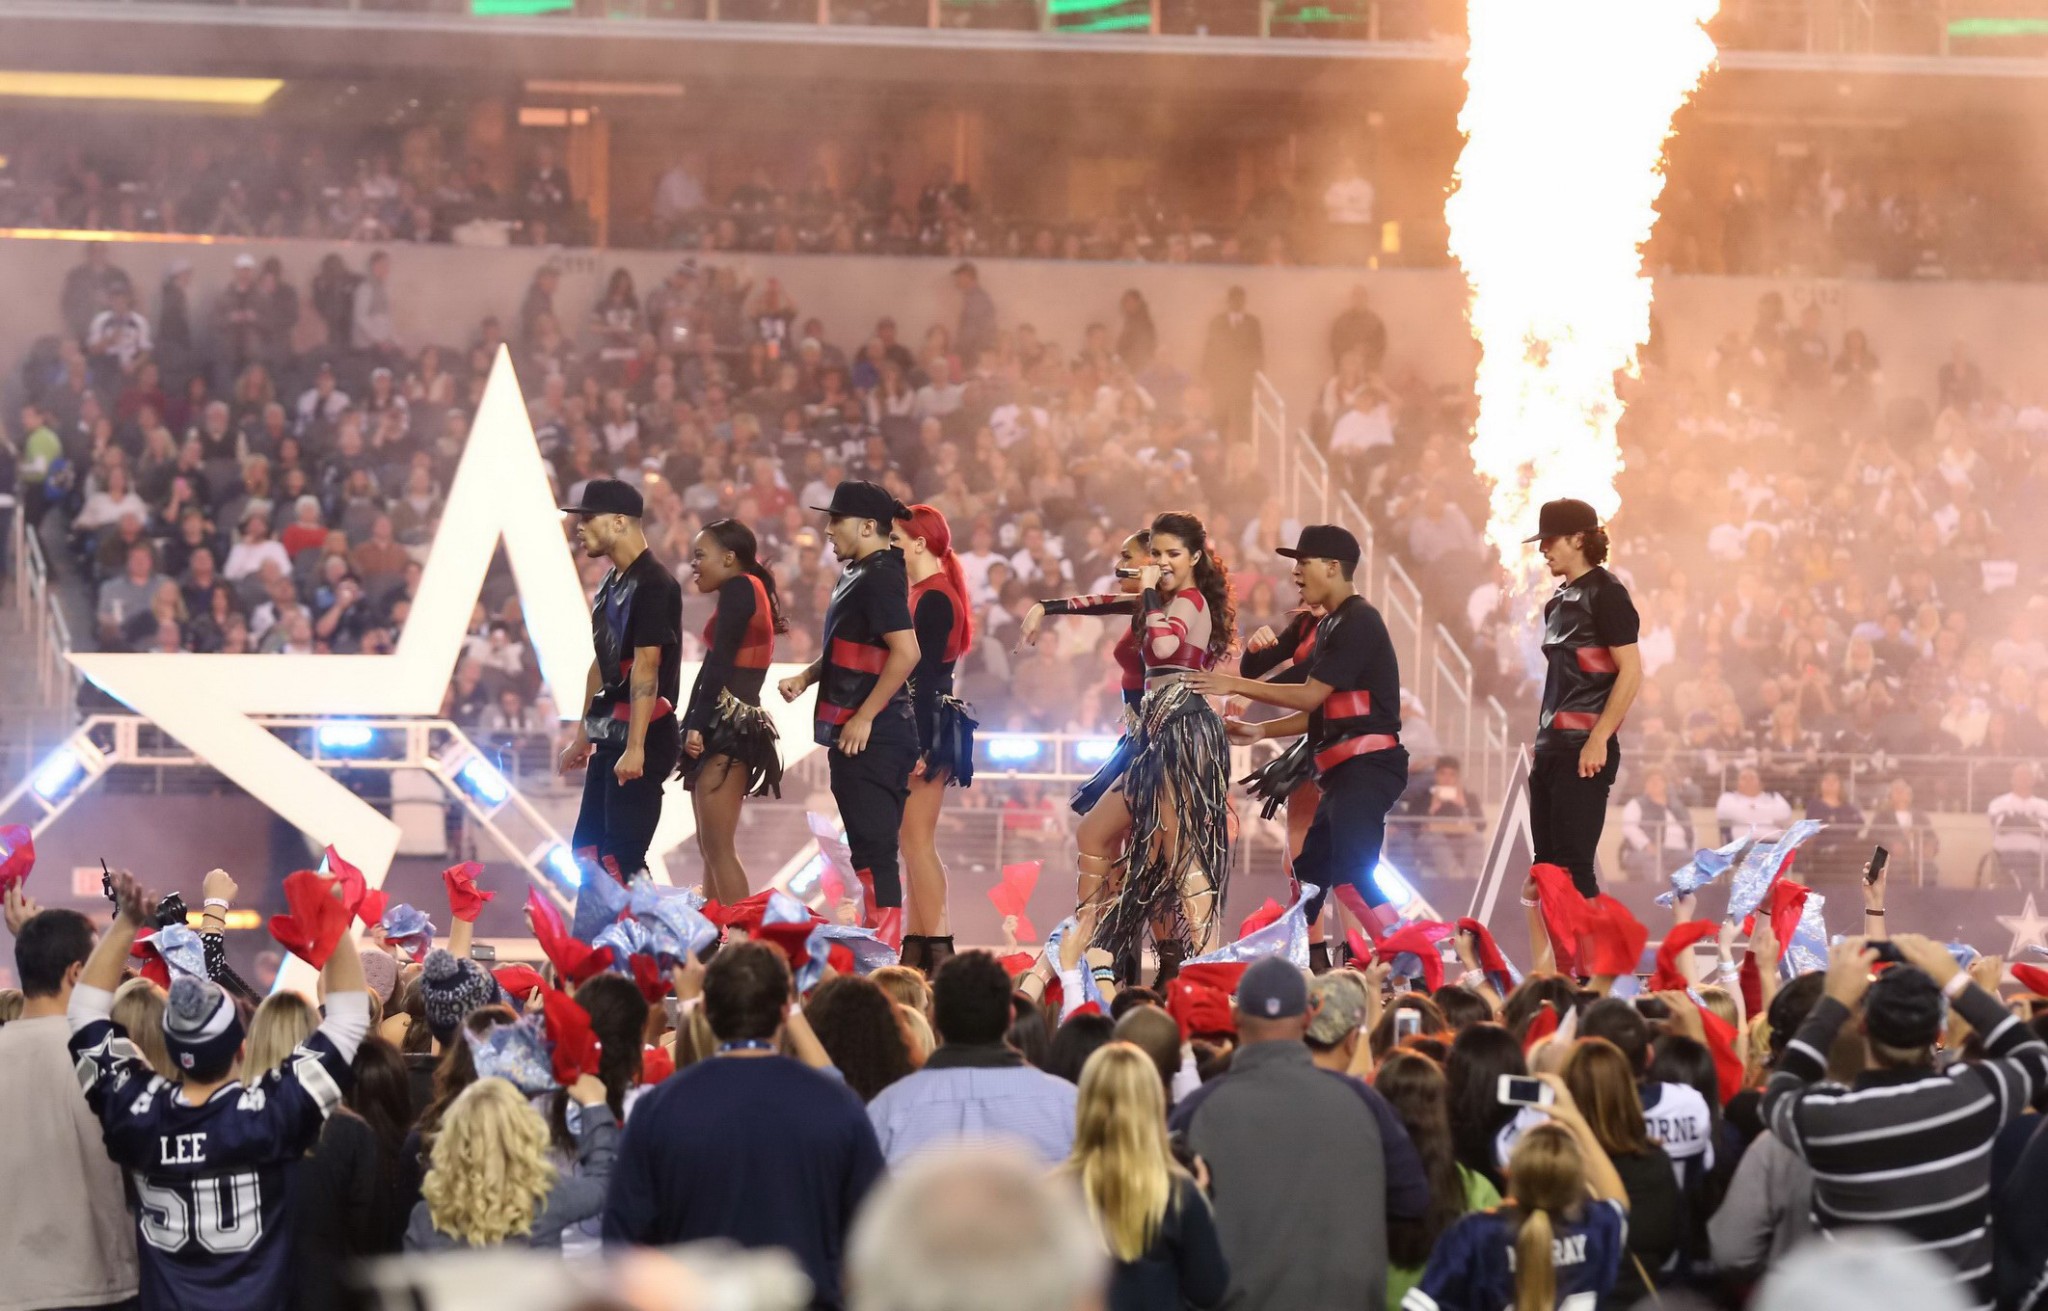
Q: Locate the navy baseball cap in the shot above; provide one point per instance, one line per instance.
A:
(1272, 989)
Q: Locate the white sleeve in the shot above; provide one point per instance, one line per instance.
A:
(348, 1020)
(89, 1004)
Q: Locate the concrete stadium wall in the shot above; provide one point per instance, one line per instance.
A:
(444, 290)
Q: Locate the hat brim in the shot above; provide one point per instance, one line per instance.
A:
(1293, 554)
(592, 509)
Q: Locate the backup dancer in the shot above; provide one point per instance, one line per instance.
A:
(628, 738)
(729, 751)
(863, 712)
(1177, 854)
(1289, 778)
(1349, 705)
(1593, 674)
(943, 621)
(1105, 815)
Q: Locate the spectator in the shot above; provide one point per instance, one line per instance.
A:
(1279, 1137)
(490, 1183)
(128, 594)
(1749, 811)
(975, 1232)
(1336, 1028)
(1908, 834)
(2019, 826)
(862, 1033)
(1831, 854)
(1234, 352)
(974, 1086)
(1153, 1216)
(65, 1235)
(1903, 1147)
(749, 1145)
(977, 331)
(1603, 1088)
(119, 335)
(255, 550)
(1348, 210)
(1552, 1246)
(1414, 1086)
(1656, 832)
(1444, 823)
(1768, 1208)
(373, 330)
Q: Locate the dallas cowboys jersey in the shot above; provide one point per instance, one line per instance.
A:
(210, 1180)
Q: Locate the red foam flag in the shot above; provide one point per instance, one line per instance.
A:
(1612, 939)
(1667, 975)
(1492, 962)
(1220, 975)
(153, 966)
(519, 981)
(1012, 894)
(576, 1051)
(1752, 986)
(1017, 963)
(1418, 939)
(1564, 914)
(655, 1064)
(465, 899)
(1268, 913)
(315, 920)
(792, 940)
(2031, 977)
(20, 845)
(1727, 1060)
(1198, 1008)
(649, 977)
(1541, 1026)
(362, 903)
(1788, 903)
(746, 915)
(573, 960)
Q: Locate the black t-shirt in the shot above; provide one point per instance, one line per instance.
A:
(1354, 654)
(641, 607)
(871, 601)
(1582, 622)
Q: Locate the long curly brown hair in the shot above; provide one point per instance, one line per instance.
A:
(1212, 576)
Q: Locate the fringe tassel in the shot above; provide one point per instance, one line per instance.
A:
(746, 735)
(1273, 782)
(1180, 765)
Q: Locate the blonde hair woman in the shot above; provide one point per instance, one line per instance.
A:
(1557, 1240)
(490, 1183)
(1151, 1213)
(139, 1010)
(345, 1209)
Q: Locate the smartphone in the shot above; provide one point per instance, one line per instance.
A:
(484, 952)
(1407, 1023)
(1521, 1090)
(106, 880)
(1878, 858)
(1122, 572)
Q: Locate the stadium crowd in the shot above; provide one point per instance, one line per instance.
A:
(1018, 1131)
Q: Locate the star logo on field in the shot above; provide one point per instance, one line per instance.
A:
(2029, 929)
(500, 493)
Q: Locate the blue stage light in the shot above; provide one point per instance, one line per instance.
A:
(57, 777)
(1094, 750)
(561, 862)
(482, 781)
(1396, 889)
(1012, 749)
(345, 736)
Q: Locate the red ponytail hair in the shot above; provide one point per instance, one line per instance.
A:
(927, 522)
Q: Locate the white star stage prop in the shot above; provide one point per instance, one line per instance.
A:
(2028, 929)
(500, 491)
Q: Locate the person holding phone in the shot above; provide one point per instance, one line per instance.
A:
(1559, 1240)
(1594, 671)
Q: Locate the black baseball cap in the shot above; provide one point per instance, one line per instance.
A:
(608, 496)
(1562, 518)
(1903, 1008)
(1323, 541)
(855, 499)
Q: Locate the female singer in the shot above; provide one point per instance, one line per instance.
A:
(945, 733)
(1177, 855)
(729, 750)
(1105, 818)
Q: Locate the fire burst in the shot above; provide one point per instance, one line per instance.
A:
(1567, 109)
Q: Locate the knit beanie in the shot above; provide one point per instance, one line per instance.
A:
(450, 988)
(202, 1028)
(380, 974)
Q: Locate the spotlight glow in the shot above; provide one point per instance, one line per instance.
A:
(344, 736)
(1012, 748)
(57, 777)
(561, 862)
(482, 781)
(1094, 750)
(1567, 108)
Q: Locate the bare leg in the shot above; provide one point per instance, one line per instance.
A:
(721, 791)
(1100, 837)
(1301, 811)
(1197, 893)
(924, 874)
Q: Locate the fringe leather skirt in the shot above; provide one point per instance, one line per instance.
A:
(1178, 787)
(953, 742)
(1105, 778)
(1278, 779)
(746, 736)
